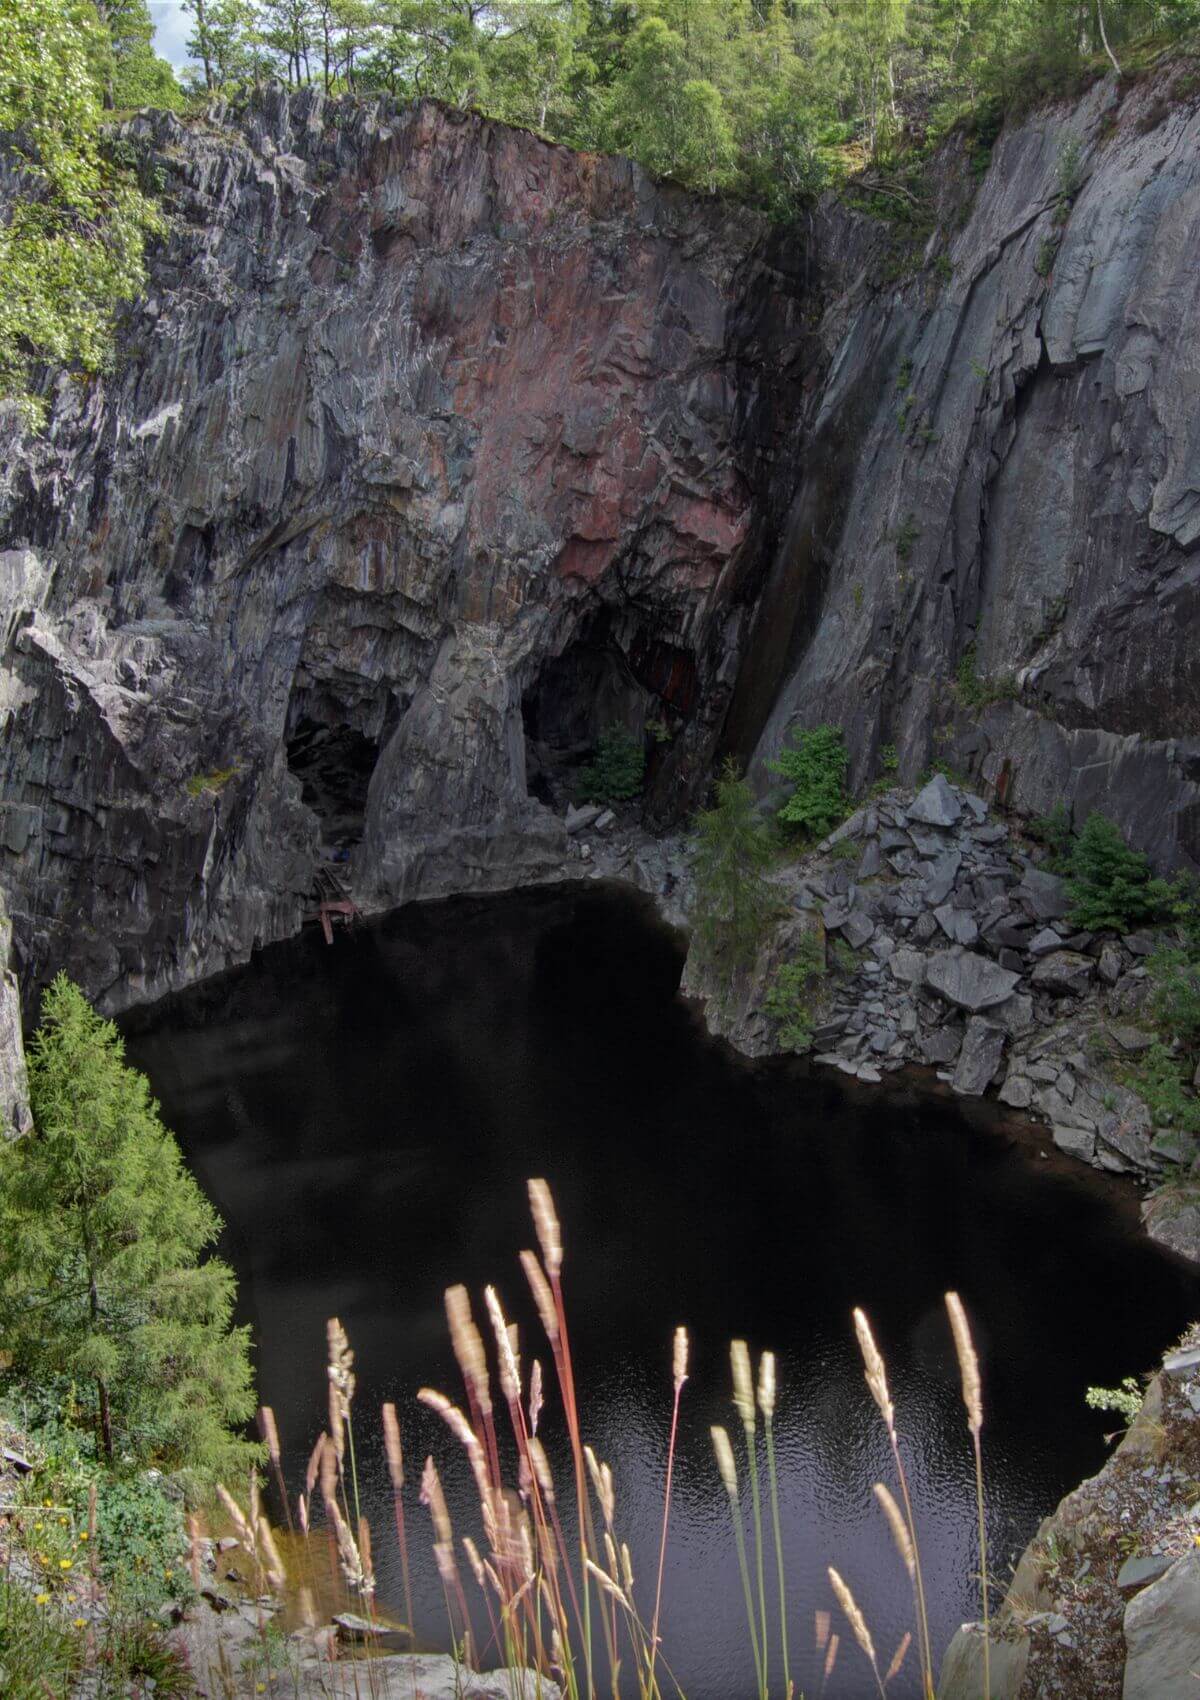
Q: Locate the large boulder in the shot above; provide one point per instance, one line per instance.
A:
(1065, 973)
(1045, 895)
(1162, 1634)
(971, 981)
(962, 1675)
(981, 1055)
(936, 805)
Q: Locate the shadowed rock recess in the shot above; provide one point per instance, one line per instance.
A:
(433, 448)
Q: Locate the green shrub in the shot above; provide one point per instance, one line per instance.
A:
(816, 763)
(1056, 833)
(1125, 1400)
(616, 770)
(1110, 884)
(734, 903)
(976, 692)
(795, 992)
(1157, 1079)
(141, 1543)
(1175, 995)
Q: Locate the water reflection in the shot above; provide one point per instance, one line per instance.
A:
(365, 1118)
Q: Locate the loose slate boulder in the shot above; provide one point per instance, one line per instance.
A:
(939, 882)
(907, 966)
(1064, 973)
(981, 1055)
(1162, 1635)
(971, 981)
(1045, 894)
(957, 924)
(936, 805)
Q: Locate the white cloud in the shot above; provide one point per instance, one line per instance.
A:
(172, 26)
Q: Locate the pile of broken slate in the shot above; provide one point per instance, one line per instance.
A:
(964, 958)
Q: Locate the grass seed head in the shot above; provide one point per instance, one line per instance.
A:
(392, 1447)
(546, 1224)
(898, 1658)
(899, 1528)
(542, 1296)
(743, 1383)
(510, 1374)
(766, 1386)
(725, 1463)
(679, 1363)
(266, 1423)
(875, 1372)
(468, 1346)
(855, 1618)
(968, 1363)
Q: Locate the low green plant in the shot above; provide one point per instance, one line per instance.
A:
(216, 782)
(906, 535)
(659, 731)
(889, 760)
(1175, 995)
(617, 768)
(815, 762)
(974, 691)
(39, 1652)
(793, 998)
(137, 1657)
(1057, 834)
(1111, 885)
(1043, 260)
(1157, 1078)
(1125, 1400)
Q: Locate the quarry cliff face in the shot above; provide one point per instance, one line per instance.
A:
(433, 448)
(990, 556)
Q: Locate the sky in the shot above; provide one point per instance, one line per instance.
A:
(172, 25)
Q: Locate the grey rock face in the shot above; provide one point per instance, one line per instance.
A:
(1162, 1634)
(1096, 644)
(969, 980)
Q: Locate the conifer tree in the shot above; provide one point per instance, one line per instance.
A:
(734, 902)
(102, 1277)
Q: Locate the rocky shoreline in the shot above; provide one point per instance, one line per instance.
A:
(949, 946)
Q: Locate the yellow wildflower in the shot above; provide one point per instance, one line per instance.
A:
(64, 1564)
(41, 1599)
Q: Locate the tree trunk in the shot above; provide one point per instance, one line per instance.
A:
(202, 43)
(1104, 36)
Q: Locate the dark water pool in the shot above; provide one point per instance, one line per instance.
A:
(365, 1118)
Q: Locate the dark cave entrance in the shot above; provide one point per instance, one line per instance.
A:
(574, 697)
(641, 683)
(334, 765)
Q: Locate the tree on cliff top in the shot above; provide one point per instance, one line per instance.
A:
(102, 1232)
(72, 231)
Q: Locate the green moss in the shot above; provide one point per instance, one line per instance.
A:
(216, 782)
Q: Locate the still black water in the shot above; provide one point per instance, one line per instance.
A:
(365, 1118)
